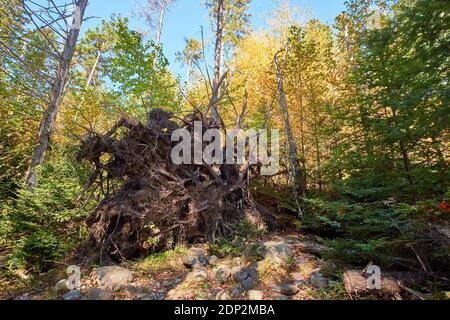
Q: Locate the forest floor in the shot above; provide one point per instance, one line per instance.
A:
(275, 266)
(271, 267)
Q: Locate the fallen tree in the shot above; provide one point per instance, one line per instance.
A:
(392, 283)
(159, 203)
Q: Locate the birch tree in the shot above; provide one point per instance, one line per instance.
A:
(58, 87)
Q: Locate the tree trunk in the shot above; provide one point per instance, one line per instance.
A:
(296, 171)
(302, 132)
(217, 57)
(356, 284)
(319, 164)
(188, 74)
(392, 282)
(162, 14)
(94, 67)
(405, 155)
(56, 95)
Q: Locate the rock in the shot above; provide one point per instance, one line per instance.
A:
(287, 289)
(137, 290)
(248, 277)
(72, 295)
(318, 281)
(280, 297)
(222, 273)
(328, 267)
(239, 273)
(147, 297)
(313, 248)
(261, 251)
(242, 273)
(275, 252)
(278, 249)
(61, 287)
(197, 275)
(237, 262)
(252, 273)
(98, 294)
(236, 292)
(255, 295)
(223, 296)
(24, 297)
(249, 284)
(114, 277)
(213, 260)
(195, 258)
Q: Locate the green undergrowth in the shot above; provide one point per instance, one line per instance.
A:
(388, 233)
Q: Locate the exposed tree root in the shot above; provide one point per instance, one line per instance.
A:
(158, 203)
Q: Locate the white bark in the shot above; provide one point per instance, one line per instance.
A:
(295, 168)
(94, 67)
(56, 95)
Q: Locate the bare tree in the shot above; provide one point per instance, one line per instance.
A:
(296, 174)
(60, 81)
(220, 10)
(158, 8)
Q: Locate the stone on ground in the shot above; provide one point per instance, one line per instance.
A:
(255, 295)
(195, 258)
(98, 294)
(113, 276)
(73, 295)
(222, 273)
(318, 281)
(197, 275)
(213, 260)
(287, 289)
(61, 287)
(223, 296)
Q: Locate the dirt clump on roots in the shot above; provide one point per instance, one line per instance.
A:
(159, 204)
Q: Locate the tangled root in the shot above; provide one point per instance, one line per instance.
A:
(159, 204)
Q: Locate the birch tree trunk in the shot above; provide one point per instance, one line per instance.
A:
(217, 56)
(188, 73)
(56, 95)
(295, 168)
(94, 67)
(162, 15)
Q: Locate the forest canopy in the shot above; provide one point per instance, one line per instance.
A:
(362, 105)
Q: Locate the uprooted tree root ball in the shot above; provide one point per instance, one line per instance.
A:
(158, 203)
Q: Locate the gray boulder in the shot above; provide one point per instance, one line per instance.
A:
(236, 292)
(61, 287)
(195, 258)
(287, 289)
(318, 281)
(72, 295)
(249, 284)
(213, 260)
(248, 277)
(113, 276)
(98, 294)
(222, 273)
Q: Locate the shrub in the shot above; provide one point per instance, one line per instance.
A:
(38, 227)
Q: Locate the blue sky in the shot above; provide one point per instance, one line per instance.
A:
(187, 16)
